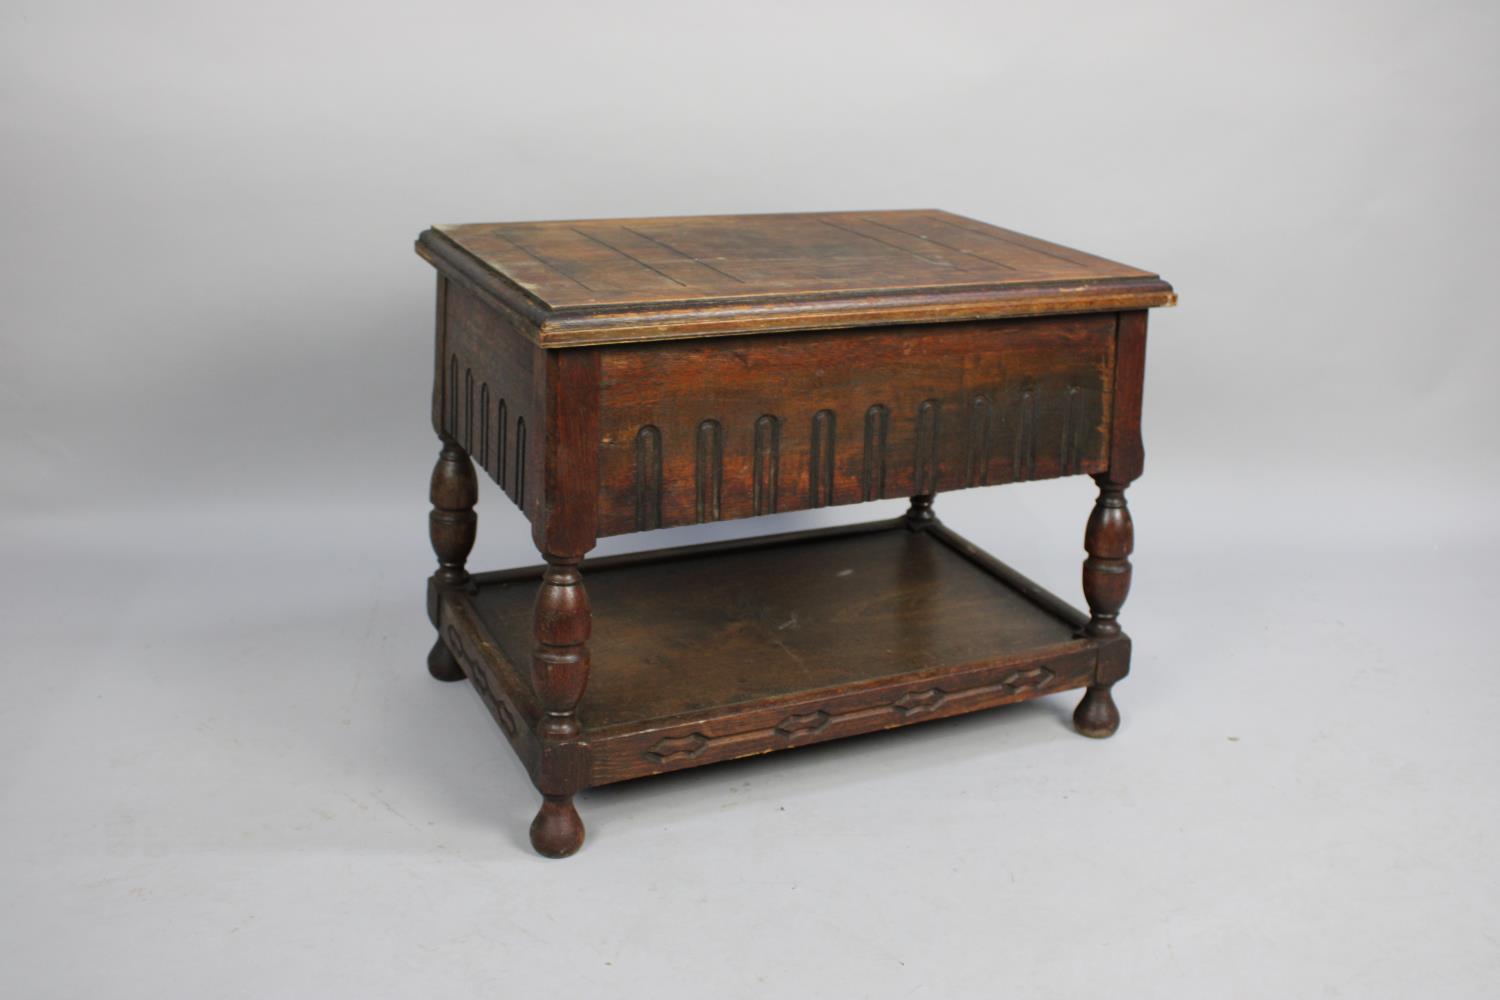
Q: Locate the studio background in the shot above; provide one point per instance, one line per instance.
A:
(223, 768)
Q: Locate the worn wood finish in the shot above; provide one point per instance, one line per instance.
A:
(486, 396)
(813, 637)
(617, 376)
(701, 431)
(1109, 540)
(625, 280)
(451, 526)
(1109, 537)
(560, 624)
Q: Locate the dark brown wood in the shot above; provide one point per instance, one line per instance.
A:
(452, 523)
(624, 280)
(564, 518)
(557, 830)
(1044, 599)
(621, 376)
(531, 574)
(1109, 537)
(1096, 715)
(814, 420)
(1109, 540)
(488, 396)
(560, 656)
(873, 627)
(507, 694)
(1127, 455)
(451, 526)
(563, 521)
(919, 515)
(561, 622)
(440, 359)
(441, 663)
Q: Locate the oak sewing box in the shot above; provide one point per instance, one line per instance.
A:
(615, 376)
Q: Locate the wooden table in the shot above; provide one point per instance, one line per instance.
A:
(626, 375)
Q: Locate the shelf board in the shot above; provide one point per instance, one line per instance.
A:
(731, 649)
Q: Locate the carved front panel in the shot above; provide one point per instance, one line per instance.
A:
(696, 431)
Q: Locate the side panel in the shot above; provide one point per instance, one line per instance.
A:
(486, 395)
(694, 431)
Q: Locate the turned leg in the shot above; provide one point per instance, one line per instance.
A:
(1109, 539)
(919, 515)
(451, 526)
(559, 674)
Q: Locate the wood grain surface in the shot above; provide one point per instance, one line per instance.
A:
(619, 280)
(709, 430)
(729, 649)
(603, 373)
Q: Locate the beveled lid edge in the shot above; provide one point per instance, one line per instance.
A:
(554, 327)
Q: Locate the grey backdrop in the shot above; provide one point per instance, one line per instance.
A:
(223, 771)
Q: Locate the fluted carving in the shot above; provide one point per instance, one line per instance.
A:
(926, 471)
(485, 392)
(519, 494)
(709, 471)
(766, 471)
(877, 431)
(692, 465)
(1070, 446)
(452, 427)
(1023, 459)
(821, 459)
(484, 427)
(502, 428)
(647, 478)
(468, 410)
(977, 441)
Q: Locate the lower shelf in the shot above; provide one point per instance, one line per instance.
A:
(727, 650)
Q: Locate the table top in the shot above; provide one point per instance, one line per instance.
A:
(624, 280)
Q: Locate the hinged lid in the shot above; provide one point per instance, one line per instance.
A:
(624, 280)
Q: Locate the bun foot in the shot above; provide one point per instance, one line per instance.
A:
(442, 664)
(1097, 716)
(557, 831)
